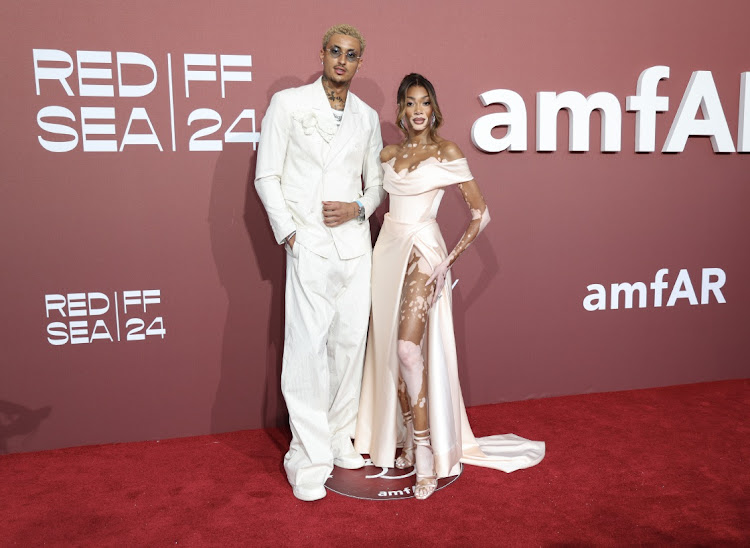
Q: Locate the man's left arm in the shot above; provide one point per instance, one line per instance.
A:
(372, 171)
(338, 213)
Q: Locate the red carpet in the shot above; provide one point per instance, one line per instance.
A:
(664, 466)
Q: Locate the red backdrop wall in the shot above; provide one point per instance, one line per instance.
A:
(183, 231)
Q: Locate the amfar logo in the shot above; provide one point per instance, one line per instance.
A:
(95, 74)
(712, 280)
(99, 318)
(377, 483)
(700, 94)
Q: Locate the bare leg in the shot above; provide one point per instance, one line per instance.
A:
(414, 307)
(406, 458)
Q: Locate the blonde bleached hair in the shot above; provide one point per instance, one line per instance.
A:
(347, 30)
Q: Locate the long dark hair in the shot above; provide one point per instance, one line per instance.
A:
(411, 80)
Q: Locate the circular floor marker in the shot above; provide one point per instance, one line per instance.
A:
(377, 483)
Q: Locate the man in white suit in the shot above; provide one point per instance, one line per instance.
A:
(319, 143)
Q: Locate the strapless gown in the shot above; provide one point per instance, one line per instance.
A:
(411, 222)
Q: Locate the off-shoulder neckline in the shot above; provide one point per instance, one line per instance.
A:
(426, 162)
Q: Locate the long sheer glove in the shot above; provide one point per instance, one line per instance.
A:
(480, 217)
(438, 276)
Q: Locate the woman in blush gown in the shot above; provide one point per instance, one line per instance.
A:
(411, 395)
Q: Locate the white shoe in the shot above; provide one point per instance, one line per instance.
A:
(344, 454)
(309, 491)
(350, 461)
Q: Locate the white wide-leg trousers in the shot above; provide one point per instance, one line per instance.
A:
(327, 313)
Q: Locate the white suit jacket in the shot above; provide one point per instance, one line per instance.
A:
(303, 159)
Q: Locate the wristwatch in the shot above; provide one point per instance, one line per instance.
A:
(361, 214)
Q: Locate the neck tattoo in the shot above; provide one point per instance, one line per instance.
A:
(337, 102)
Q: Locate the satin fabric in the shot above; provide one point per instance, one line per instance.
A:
(415, 197)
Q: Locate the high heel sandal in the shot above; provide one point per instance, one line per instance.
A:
(426, 484)
(406, 458)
